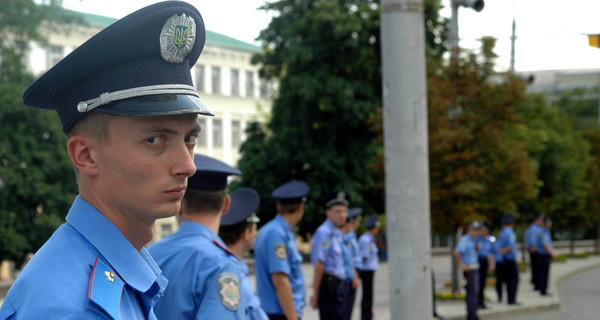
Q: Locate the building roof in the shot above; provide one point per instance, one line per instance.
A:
(213, 39)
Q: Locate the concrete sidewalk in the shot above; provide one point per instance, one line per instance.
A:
(531, 301)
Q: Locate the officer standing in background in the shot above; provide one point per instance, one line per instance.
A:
(279, 279)
(330, 289)
(544, 256)
(486, 261)
(370, 260)
(507, 246)
(130, 117)
(204, 275)
(352, 258)
(238, 231)
(499, 260)
(465, 254)
(531, 235)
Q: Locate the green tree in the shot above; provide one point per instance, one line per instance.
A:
(36, 178)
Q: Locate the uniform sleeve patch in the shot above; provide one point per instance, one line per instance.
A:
(281, 251)
(229, 290)
(325, 243)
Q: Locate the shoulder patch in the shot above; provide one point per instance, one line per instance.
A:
(325, 243)
(105, 289)
(229, 290)
(281, 251)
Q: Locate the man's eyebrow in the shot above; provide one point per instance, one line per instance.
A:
(158, 129)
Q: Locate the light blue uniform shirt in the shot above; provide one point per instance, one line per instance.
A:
(348, 258)
(544, 238)
(275, 251)
(497, 255)
(86, 270)
(368, 251)
(253, 309)
(467, 247)
(358, 264)
(532, 234)
(507, 238)
(204, 276)
(485, 246)
(327, 248)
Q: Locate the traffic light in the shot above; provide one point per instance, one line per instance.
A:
(594, 40)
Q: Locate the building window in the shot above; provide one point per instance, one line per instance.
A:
(235, 133)
(216, 80)
(53, 55)
(266, 89)
(235, 82)
(200, 79)
(249, 84)
(216, 130)
(165, 230)
(202, 135)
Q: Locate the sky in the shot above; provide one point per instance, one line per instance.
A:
(551, 34)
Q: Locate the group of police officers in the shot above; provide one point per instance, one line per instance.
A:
(477, 253)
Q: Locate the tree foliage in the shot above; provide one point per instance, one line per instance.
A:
(36, 178)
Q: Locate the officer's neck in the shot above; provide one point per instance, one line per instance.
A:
(290, 218)
(210, 220)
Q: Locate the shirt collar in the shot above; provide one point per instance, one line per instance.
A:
(137, 269)
(191, 227)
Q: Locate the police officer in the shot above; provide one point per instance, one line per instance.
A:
(129, 109)
(238, 231)
(279, 279)
(544, 256)
(204, 275)
(352, 258)
(370, 260)
(486, 261)
(531, 235)
(465, 254)
(507, 246)
(330, 289)
(499, 261)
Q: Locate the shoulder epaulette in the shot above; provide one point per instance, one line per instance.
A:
(106, 289)
(222, 246)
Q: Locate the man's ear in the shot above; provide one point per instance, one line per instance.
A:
(81, 154)
(226, 205)
(246, 235)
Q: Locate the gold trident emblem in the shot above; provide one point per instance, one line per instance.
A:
(180, 36)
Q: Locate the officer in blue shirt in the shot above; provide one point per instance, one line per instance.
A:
(204, 275)
(238, 231)
(279, 279)
(370, 263)
(465, 254)
(486, 261)
(507, 246)
(499, 260)
(330, 289)
(352, 258)
(531, 235)
(129, 110)
(544, 256)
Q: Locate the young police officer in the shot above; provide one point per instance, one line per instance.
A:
(204, 275)
(126, 101)
(370, 263)
(465, 254)
(279, 279)
(352, 259)
(238, 231)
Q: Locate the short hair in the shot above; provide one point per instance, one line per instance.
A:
(94, 124)
(196, 201)
(288, 208)
(231, 234)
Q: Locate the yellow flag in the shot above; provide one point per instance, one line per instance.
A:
(594, 40)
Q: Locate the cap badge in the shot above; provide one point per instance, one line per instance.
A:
(341, 195)
(177, 38)
(229, 290)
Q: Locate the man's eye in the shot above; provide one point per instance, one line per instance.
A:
(191, 139)
(154, 140)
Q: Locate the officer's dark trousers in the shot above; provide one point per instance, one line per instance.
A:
(332, 298)
(273, 316)
(543, 268)
(349, 301)
(511, 274)
(533, 259)
(366, 305)
(472, 290)
(484, 265)
(499, 279)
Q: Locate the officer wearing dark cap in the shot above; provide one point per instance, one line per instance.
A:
(352, 258)
(330, 289)
(465, 254)
(127, 104)
(507, 246)
(279, 279)
(370, 263)
(204, 275)
(238, 231)
(544, 256)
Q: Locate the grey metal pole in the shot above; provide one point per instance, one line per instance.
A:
(454, 48)
(513, 39)
(406, 158)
